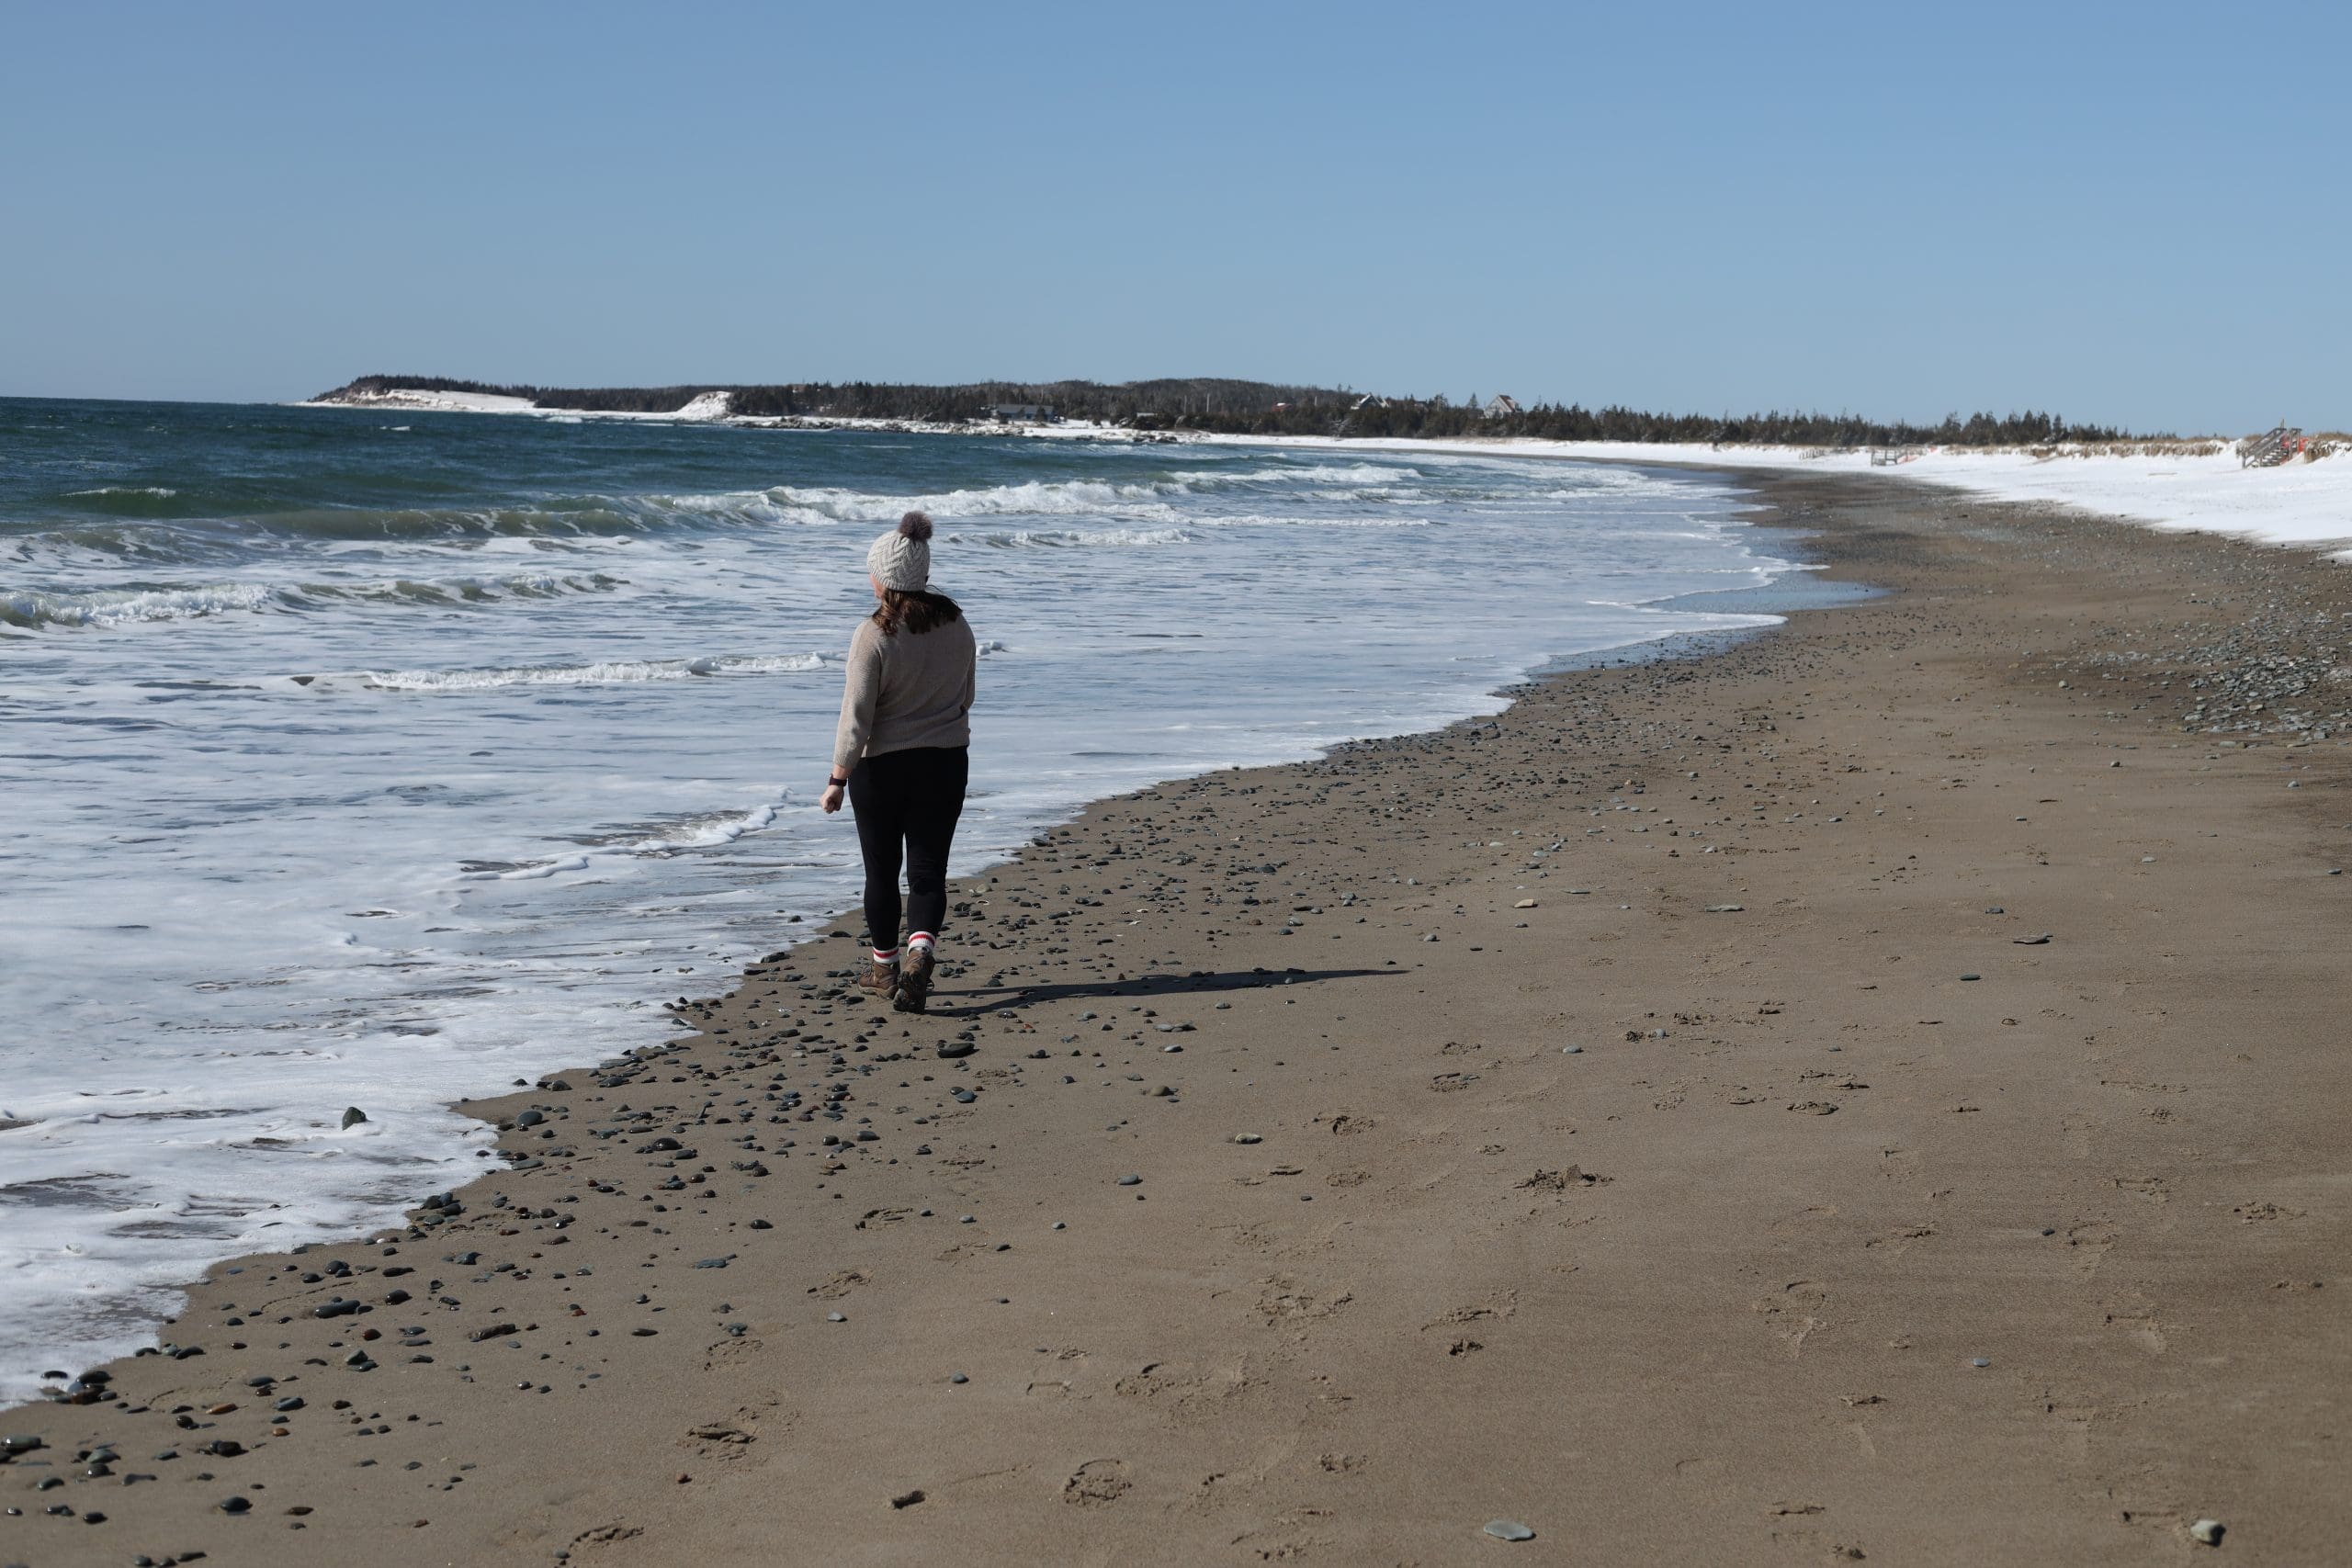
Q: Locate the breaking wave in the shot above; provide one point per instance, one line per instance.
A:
(1072, 538)
(604, 673)
(1274, 520)
(124, 606)
(38, 609)
(1036, 499)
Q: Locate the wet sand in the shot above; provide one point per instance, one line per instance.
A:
(1874, 1094)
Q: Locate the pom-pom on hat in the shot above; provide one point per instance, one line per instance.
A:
(902, 558)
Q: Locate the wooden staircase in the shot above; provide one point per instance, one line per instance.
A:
(2271, 449)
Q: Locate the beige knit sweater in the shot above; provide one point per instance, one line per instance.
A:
(904, 691)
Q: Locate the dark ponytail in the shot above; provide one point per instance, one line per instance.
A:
(919, 612)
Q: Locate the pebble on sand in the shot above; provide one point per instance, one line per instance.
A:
(2210, 1531)
(1509, 1530)
(1247, 1138)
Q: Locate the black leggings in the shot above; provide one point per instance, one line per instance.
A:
(907, 804)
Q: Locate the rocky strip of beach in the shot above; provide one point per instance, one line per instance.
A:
(1875, 1093)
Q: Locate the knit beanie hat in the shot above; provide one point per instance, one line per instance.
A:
(901, 559)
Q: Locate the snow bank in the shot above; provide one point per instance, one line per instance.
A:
(2303, 502)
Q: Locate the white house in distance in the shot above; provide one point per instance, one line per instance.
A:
(1502, 405)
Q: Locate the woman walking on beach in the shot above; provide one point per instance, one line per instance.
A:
(902, 754)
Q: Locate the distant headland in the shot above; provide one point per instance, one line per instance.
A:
(1206, 405)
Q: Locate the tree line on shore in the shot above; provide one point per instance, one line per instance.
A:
(1260, 408)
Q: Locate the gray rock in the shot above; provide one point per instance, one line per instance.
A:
(1509, 1530)
(1131, 1181)
(2209, 1532)
(352, 1115)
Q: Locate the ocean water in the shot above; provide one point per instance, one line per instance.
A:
(357, 758)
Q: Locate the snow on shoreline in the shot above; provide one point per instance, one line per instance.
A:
(2306, 503)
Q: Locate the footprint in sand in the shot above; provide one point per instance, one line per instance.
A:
(1096, 1483)
(1284, 1301)
(841, 1283)
(1793, 1315)
(2138, 1321)
(2089, 1240)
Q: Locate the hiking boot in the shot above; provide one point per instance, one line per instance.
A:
(914, 980)
(880, 978)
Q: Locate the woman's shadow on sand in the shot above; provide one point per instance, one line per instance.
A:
(1194, 983)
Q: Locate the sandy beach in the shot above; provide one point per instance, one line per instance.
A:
(1875, 1093)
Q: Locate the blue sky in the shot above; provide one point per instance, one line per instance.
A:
(2126, 213)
